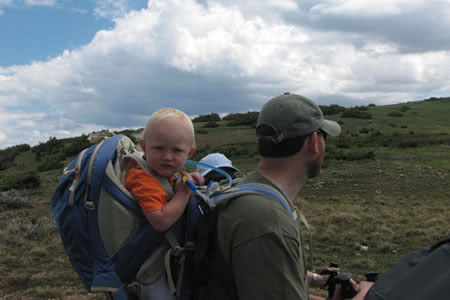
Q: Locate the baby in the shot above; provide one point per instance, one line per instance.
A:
(168, 141)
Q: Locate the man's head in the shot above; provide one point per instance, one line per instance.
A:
(286, 121)
(168, 140)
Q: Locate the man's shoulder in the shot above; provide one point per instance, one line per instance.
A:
(269, 192)
(251, 210)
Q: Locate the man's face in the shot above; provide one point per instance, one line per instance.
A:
(317, 164)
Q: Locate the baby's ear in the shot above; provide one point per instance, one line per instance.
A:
(193, 149)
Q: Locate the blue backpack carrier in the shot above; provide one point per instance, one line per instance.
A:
(107, 237)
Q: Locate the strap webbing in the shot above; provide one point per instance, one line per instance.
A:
(308, 229)
(177, 251)
(170, 237)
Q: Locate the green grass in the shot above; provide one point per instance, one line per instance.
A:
(395, 202)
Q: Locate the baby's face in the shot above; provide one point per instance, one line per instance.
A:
(167, 146)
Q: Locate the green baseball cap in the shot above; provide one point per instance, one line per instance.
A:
(291, 115)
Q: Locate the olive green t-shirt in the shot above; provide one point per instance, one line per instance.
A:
(257, 250)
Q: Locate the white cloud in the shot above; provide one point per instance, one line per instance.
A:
(3, 4)
(3, 137)
(111, 8)
(367, 8)
(17, 3)
(26, 123)
(41, 2)
(259, 6)
(226, 56)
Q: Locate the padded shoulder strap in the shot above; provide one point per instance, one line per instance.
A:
(137, 160)
(257, 188)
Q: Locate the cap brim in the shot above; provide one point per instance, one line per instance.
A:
(331, 127)
(223, 168)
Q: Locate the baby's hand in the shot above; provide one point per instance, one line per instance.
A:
(197, 178)
(194, 178)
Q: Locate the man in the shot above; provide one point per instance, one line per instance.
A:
(258, 250)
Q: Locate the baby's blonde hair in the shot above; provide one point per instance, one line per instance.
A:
(169, 114)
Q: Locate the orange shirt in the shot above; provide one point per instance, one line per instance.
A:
(146, 189)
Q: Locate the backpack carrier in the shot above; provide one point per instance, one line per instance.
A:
(108, 239)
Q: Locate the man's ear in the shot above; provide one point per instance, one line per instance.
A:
(141, 142)
(312, 143)
(193, 149)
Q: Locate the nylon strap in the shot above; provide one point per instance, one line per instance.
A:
(308, 229)
(175, 250)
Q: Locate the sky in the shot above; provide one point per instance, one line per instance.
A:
(73, 67)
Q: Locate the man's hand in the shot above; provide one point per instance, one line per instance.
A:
(364, 287)
(361, 289)
(322, 279)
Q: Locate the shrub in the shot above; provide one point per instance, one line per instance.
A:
(332, 109)
(201, 131)
(352, 155)
(342, 143)
(51, 163)
(237, 119)
(364, 130)
(53, 145)
(386, 142)
(14, 199)
(20, 180)
(404, 108)
(6, 163)
(356, 112)
(214, 117)
(31, 180)
(441, 99)
(376, 133)
(395, 114)
(210, 125)
(34, 230)
(8, 155)
(408, 144)
(76, 146)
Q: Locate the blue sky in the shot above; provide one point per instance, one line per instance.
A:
(39, 30)
(73, 67)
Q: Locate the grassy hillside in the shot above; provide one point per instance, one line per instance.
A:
(384, 186)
